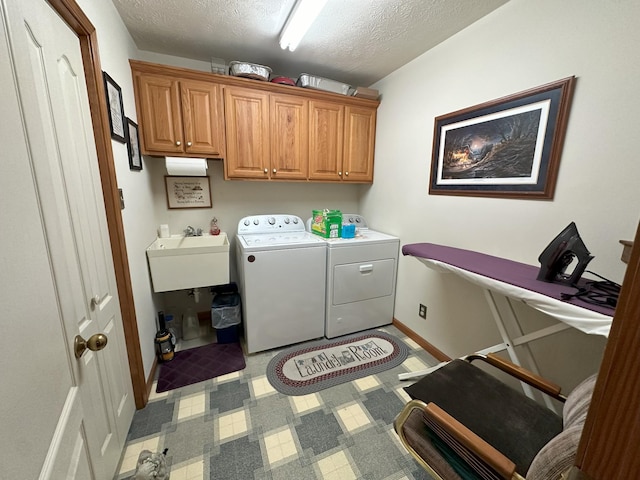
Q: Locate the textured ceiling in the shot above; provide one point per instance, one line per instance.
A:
(353, 41)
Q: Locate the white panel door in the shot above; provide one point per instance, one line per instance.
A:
(54, 103)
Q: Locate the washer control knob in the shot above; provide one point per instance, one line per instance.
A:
(272, 221)
(350, 219)
(256, 221)
(247, 222)
(295, 221)
(358, 220)
(286, 220)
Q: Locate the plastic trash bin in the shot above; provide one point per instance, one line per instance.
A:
(226, 316)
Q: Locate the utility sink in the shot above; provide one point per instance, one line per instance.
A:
(180, 263)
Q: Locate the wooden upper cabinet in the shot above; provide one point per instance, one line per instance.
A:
(180, 117)
(247, 124)
(341, 142)
(289, 137)
(326, 130)
(262, 130)
(359, 143)
(203, 117)
(158, 101)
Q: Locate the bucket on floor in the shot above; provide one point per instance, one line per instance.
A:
(190, 326)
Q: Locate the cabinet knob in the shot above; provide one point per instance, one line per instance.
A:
(266, 170)
(274, 170)
(178, 143)
(340, 173)
(188, 144)
(346, 173)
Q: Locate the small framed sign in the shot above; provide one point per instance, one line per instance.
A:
(188, 192)
(133, 145)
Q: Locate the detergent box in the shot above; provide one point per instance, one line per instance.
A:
(327, 223)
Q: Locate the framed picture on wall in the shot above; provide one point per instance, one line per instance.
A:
(188, 192)
(507, 148)
(115, 107)
(133, 145)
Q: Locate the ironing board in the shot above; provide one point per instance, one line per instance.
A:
(514, 281)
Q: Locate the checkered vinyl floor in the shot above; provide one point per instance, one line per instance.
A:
(237, 427)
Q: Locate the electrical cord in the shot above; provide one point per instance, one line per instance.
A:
(604, 292)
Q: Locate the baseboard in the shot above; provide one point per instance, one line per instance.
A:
(152, 377)
(434, 351)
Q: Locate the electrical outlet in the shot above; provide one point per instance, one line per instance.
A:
(422, 311)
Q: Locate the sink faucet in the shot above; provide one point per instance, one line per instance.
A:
(192, 232)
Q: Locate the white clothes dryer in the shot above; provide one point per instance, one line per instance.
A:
(361, 279)
(282, 275)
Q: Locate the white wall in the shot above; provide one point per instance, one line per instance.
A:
(519, 46)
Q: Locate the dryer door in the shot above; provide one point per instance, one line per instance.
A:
(359, 281)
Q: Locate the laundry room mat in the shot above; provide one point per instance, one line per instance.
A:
(325, 363)
(199, 364)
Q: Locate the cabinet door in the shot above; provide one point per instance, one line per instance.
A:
(203, 119)
(247, 123)
(359, 141)
(289, 137)
(161, 121)
(326, 128)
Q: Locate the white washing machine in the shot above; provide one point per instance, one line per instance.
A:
(361, 279)
(282, 278)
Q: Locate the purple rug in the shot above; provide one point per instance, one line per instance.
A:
(199, 364)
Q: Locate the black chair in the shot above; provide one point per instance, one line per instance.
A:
(464, 423)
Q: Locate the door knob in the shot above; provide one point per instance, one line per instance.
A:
(178, 143)
(188, 144)
(274, 170)
(95, 343)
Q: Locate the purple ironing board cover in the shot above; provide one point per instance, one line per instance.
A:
(507, 271)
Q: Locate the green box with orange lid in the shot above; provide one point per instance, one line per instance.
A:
(327, 223)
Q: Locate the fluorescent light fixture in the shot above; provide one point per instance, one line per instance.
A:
(302, 16)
